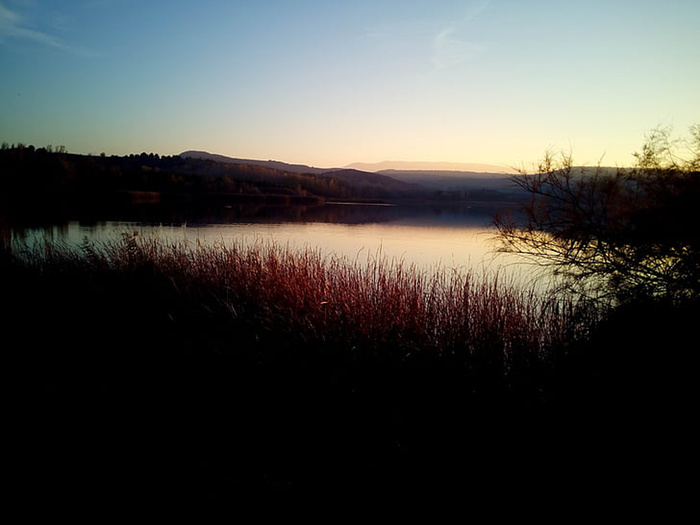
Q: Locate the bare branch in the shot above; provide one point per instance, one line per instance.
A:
(628, 233)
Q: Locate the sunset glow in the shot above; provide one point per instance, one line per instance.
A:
(334, 83)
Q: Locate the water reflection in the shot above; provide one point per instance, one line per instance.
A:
(454, 237)
(333, 213)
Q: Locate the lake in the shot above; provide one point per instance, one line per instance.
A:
(429, 237)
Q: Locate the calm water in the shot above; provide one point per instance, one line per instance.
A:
(457, 237)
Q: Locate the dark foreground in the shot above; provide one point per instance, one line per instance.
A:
(113, 404)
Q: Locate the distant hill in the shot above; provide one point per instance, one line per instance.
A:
(442, 180)
(470, 181)
(43, 175)
(368, 184)
(387, 167)
(430, 166)
(277, 165)
(453, 180)
(377, 180)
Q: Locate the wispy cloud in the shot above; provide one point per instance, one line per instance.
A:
(450, 48)
(14, 25)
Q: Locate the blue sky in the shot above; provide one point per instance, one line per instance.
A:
(329, 83)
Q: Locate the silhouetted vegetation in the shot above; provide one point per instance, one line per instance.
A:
(151, 371)
(629, 240)
(32, 174)
(260, 369)
(156, 372)
(622, 235)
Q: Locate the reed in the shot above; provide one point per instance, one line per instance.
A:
(288, 368)
(305, 296)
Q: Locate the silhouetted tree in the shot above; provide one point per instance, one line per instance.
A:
(619, 234)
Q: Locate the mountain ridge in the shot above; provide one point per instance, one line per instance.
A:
(437, 178)
(284, 166)
(376, 167)
(431, 166)
(377, 184)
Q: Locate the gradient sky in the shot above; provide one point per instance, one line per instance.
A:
(328, 83)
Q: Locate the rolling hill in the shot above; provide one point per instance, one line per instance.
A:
(456, 167)
(368, 184)
(277, 165)
(463, 180)
(41, 174)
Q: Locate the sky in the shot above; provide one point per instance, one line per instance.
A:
(329, 83)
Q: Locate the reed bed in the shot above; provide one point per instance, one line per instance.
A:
(241, 368)
(304, 296)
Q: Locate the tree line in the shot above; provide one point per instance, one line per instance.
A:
(29, 173)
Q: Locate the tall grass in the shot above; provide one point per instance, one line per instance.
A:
(255, 367)
(307, 296)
